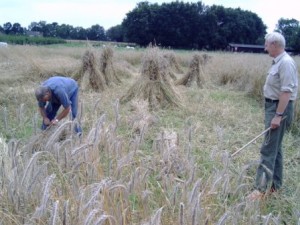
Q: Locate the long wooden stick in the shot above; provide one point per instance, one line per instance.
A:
(262, 133)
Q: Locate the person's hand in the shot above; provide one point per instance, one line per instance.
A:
(54, 121)
(275, 123)
(47, 121)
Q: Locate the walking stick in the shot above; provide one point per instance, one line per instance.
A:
(262, 133)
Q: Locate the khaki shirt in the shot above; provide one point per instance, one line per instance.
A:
(282, 77)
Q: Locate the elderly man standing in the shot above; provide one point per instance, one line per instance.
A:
(55, 92)
(280, 92)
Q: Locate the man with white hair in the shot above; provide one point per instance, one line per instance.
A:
(280, 92)
(52, 94)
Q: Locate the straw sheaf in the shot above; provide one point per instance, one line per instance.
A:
(107, 67)
(195, 72)
(173, 62)
(89, 76)
(153, 85)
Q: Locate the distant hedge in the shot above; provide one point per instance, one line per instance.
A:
(26, 40)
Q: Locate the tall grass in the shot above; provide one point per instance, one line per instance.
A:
(133, 165)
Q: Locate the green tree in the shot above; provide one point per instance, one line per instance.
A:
(191, 25)
(64, 31)
(32, 25)
(96, 32)
(17, 29)
(77, 33)
(235, 25)
(136, 25)
(40, 26)
(49, 30)
(290, 29)
(178, 24)
(296, 45)
(115, 33)
(174, 24)
(7, 27)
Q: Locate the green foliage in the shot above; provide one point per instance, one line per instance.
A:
(115, 33)
(290, 28)
(191, 25)
(25, 40)
(137, 24)
(296, 45)
(247, 26)
(54, 30)
(96, 32)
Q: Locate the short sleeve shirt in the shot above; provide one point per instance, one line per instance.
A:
(62, 89)
(282, 77)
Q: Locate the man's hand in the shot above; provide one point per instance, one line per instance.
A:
(46, 121)
(54, 121)
(275, 123)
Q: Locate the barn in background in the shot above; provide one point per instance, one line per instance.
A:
(253, 48)
(246, 48)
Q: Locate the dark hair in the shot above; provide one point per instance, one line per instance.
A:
(40, 92)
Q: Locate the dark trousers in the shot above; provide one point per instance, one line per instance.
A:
(270, 170)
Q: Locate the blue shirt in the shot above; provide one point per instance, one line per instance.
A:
(62, 89)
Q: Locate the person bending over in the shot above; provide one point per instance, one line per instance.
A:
(55, 92)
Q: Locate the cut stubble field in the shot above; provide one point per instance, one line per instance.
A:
(159, 127)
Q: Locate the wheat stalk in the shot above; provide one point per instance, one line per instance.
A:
(32, 161)
(5, 118)
(55, 135)
(66, 213)
(54, 215)
(194, 191)
(91, 216)
(223, 219)
(181, 214)
(41, 210)
(104, 218)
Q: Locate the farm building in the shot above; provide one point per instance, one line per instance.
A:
(246, 48)
(34, 34)
(252, 48)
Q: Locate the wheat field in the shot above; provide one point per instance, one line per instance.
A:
(152, 151)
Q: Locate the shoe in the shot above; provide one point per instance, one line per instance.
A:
(255, 195)
(272, 192)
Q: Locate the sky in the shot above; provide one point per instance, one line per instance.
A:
(108, 13)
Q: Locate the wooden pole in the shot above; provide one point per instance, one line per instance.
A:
(262, 133)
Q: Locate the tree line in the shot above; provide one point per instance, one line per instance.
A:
(54, 30)
(176, 25)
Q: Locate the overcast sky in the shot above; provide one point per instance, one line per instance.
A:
(108, 13)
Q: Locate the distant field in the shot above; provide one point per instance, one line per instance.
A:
(101, 43)
(163, 160)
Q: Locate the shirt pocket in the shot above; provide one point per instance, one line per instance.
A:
(273, 76)
(273, 72)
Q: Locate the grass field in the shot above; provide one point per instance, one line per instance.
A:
(164, 160)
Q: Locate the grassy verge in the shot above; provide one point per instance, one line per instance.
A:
(27, 40)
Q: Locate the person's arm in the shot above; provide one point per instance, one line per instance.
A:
(63, 98)
(284, 99)
(44, 116)
(62, 115)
